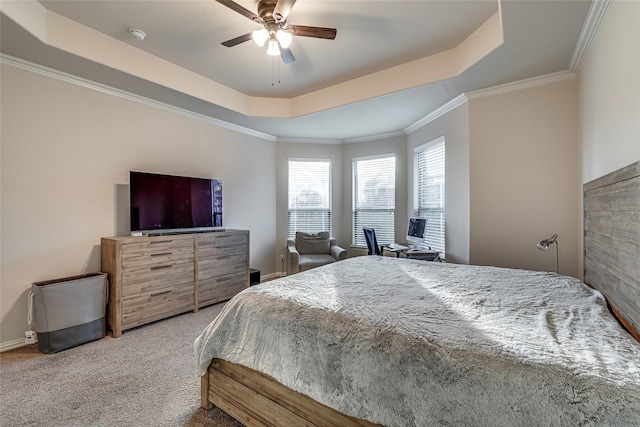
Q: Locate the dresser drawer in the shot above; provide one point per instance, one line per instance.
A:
(222, 265)
(150, 306)
(219, 288)
(154, 277)
(157, 252)
(222, 244)
(164, 244)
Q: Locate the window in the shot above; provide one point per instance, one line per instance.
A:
(374, 198)
(428, 161)
(309, 196)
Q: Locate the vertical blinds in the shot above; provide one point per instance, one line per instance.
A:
(309, 196)
(429, 163)
(374, 198)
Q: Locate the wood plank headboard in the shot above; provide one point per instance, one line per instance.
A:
(612, 242)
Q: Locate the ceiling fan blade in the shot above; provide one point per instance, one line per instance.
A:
(240, 39)
(241, 10)
(317, 32)
(282, 9)
(287, 56)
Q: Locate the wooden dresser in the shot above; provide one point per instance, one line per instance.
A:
(154, 277)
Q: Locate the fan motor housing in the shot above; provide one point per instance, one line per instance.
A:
(265, 10)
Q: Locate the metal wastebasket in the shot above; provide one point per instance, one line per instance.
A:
(70, 311)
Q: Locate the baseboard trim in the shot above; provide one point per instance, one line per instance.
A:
(272, 276)
(11, 345)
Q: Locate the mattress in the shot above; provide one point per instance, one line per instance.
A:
(404, 342)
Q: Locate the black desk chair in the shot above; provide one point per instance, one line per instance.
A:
(372, 242)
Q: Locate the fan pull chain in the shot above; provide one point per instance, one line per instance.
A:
(274, 60)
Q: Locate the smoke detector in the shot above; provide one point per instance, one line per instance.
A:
(137, 34)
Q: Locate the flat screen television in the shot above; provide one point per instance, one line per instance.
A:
(163, 204)
(415, 231)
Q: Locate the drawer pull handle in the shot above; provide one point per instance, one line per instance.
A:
(155, 242)
(160, 267)
(161, 293)
(162, 254)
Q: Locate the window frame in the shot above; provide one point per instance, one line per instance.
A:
(439, 228)
(329, 213)
(385, 234)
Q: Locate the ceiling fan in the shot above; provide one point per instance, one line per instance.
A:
(272, 15)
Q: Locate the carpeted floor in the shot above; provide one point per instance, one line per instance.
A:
(147, 377)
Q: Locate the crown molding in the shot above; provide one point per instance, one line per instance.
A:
(490, 91)
(523, 84)
(109, 90)
(593, 22)
(438, 112)
(309, 141)
(374, 137)
(342, 141)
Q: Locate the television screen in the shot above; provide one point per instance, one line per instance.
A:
(174, 203)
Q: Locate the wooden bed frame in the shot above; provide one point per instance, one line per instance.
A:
(612, 242)
(611, 265)
(256, 399)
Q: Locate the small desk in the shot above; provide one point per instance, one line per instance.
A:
(427, 255)
(424, 254)
(396, 248)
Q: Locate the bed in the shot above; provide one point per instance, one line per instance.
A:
(399, 342)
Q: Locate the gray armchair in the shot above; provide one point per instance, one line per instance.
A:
(310, 250)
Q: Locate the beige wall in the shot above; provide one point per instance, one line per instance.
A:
(66, 152)
(505, 154)
(66, 155)
(394, 145)
(341, 156)
(524, 173)
(609, 101)
(287, 150)
(455, 127)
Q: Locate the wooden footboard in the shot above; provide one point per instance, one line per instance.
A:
(256, 399)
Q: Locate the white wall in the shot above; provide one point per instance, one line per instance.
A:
(609, 100)
(66, 155)
(524, 172)
(455, 127)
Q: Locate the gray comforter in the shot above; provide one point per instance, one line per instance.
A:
(405, 342)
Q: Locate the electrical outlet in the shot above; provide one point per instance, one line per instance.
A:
(281, 258)
(29, 337)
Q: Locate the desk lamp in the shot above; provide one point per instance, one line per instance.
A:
(543, 245)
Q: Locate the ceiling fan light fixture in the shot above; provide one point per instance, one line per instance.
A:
(273, 48)
(285, 38)
(272, 15)
(260, 36)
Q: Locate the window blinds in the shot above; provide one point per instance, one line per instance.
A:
(309, 196)
(374, 198)
(429, 163)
